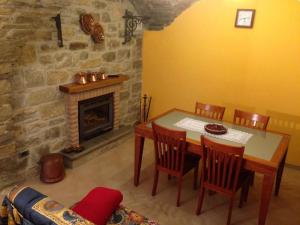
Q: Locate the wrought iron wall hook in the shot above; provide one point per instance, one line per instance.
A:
(131, 23)
(59, 31)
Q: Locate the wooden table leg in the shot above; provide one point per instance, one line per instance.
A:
(279, 175)
(266, 194)
(139, 147)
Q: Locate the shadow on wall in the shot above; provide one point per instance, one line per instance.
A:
(281, 122)
(289, 124)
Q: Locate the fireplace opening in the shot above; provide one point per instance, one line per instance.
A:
(95, 116)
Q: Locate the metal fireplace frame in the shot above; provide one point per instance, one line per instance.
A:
(91, 103)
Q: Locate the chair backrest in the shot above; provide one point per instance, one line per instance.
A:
(170, 148)
(252, 120)
(210, 111)
(221, 165)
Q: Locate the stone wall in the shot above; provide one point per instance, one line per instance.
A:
(32, 66)
(161, 12)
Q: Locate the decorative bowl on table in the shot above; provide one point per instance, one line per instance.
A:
(216, 129)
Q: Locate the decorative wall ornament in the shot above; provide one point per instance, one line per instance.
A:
(131, 23)
(59, 32)
(89, 26)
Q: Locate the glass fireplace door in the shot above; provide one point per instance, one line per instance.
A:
(95, 116)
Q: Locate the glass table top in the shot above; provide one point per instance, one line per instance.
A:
(261, 145)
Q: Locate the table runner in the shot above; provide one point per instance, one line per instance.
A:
(198, 126)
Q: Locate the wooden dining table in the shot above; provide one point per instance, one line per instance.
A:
(265, 151)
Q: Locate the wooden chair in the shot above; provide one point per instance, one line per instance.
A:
(210, 111)
(171, 156)
(222, 172)
(252, 120)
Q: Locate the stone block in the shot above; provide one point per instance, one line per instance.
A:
(42, 35)
(84, 55)
(41, 96)
(28, 55)
(5, 68)
(57, 77)
(20, 34)
(18, 100)
(5, 99)
(109, 56)
(112, 27)
(69, 31)
(46, 59)
(105, 17)
(11, 171)
(5, 87)
(78, 45)
(63, 60)
(123, 54)
(35, 127)
(37, 153)
(48, 48)
(7, 151)
(27, 115)
(137, 87)
(9, 52)
(5, 112)
(91, 63)
(113, 44)
(124, 95)
(18, 81)
(52, 133)
(33, 141)
(58, 145)
(56, 121)
(99, 46)
(52, 110)
(6, 11)
(99, 5)
(33, 78)
(32, 20)
(138, 64)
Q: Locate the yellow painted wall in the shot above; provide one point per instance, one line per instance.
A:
(202, 56)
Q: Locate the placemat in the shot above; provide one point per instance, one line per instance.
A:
(198, 126)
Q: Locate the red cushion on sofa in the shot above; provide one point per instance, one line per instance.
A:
(98, 205)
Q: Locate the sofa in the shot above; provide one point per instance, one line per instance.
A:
(101, 206)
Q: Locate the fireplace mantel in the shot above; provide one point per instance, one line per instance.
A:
(74, 88)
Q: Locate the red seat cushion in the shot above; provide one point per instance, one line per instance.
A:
(98, 205)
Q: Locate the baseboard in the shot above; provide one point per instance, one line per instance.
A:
(292, 166)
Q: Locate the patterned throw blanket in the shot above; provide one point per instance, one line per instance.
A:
(26, 206)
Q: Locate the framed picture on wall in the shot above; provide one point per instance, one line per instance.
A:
(245, 18)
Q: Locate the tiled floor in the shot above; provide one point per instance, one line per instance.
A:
(115, 169)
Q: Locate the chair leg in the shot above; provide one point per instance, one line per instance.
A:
(156, 175)
(247, 191)
(196, 176)
(179, 191)
(252, 178)
(243, 193)
(230, 210)
(200, 199)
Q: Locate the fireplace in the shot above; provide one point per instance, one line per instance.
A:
(77, 95)
(96, 116)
